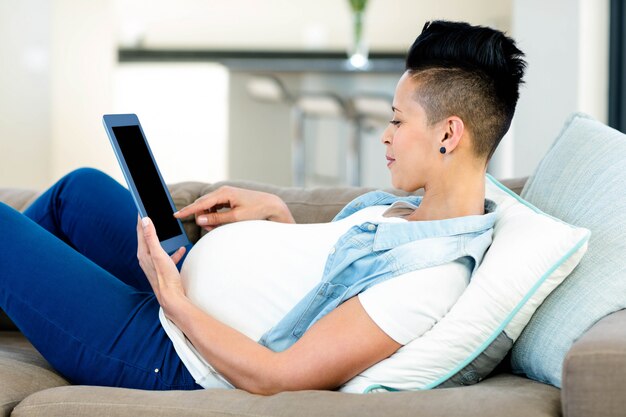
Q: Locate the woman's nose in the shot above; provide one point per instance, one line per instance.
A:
(386, 136)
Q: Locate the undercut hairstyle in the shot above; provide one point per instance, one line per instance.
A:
(471, 72)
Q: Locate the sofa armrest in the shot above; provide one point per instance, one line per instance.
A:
(594, 370)
(18, 198)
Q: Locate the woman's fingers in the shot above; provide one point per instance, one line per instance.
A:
(141, 241)
(151, 239)
(242, 204)
(186, 211)
(178, 255)
(144, 257)
(161, 268)
(217, 218)
(219, 198)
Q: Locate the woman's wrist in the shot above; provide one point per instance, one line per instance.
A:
(174, 305)
(280, 212)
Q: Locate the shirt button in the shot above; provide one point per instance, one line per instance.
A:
(371, 227)
(332, 250)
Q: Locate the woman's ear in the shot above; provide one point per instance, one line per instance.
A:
(453, 132)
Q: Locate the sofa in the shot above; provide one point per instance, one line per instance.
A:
(593, 384)
(570, 358)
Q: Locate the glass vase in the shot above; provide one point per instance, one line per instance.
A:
(358, 51)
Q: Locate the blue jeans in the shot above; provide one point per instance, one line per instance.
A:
(71, 282)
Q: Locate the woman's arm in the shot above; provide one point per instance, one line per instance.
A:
(332, 351)
(335, 349)
(243, 205)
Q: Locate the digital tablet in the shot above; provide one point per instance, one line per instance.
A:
(144, 179)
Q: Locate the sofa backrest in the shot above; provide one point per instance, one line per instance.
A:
(308, 205)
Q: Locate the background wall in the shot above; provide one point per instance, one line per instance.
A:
(83, 58)
(183, 110)
(291, 24)
(58, 64)
(566, 46)
(25, 111)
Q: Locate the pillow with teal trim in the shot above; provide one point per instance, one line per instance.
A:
(531, 254)
(582, 180)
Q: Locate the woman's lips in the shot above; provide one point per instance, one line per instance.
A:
(390, 161)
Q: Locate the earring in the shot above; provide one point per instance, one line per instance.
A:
(442, 149)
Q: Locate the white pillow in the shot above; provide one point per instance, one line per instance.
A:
(531, 254)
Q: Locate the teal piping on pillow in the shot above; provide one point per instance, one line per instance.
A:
(508, 319)
(378, 386)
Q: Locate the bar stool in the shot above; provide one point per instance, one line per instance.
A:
(303, 105)
(369, 111)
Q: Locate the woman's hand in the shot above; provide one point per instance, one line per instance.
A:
(242, 204)
(160, 269)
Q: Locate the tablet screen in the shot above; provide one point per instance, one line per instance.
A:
(147, 181)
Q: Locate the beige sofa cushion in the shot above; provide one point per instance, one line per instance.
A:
(501, 395)
(17, 198)
(22, 371)
(308, 205)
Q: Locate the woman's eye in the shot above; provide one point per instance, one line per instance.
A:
(395, 122)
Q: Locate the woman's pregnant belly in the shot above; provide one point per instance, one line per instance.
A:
(250, 274)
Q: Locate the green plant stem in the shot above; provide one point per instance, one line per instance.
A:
(358, 5)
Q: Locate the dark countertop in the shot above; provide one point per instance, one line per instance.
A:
(269, 61)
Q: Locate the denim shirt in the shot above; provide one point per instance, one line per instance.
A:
(370, 253)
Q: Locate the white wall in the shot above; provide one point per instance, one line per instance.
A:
(291, 24)
(593, 61)
(24, 93)
(57, 61)
(83, 59)
(183, 109)
(566, 46)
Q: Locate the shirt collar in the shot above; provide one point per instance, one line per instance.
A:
(390, 235)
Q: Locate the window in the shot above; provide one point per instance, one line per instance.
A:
(183, 109)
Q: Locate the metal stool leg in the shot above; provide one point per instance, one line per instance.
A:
(298, 167)
(353, 155)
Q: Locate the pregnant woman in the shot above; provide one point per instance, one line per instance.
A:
(260, 303)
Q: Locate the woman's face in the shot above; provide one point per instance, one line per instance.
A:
(412, 145)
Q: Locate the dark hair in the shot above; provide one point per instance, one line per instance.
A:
(472, 72)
